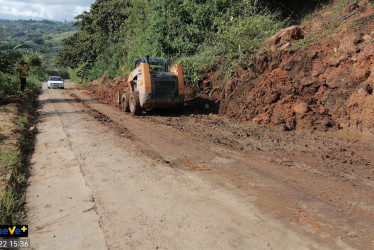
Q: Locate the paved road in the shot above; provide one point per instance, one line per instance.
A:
(104, 179)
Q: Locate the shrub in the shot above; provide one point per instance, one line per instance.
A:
(9, 84)
(9, 60)
(246, 34)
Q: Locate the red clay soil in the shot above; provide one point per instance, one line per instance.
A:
(314, 76)
(107, 88)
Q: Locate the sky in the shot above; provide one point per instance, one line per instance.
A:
(58, 10)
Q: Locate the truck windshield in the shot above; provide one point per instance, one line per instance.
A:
(55, 78)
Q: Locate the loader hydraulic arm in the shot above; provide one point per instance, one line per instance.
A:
(140, 78)
(178, 71)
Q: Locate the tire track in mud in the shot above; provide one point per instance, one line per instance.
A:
(335, 160)
(122, 131)
(290, 201)
(215, 156)
(104, 119)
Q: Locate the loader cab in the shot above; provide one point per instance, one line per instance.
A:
(155, 64)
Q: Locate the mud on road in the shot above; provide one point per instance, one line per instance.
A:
(193, 181)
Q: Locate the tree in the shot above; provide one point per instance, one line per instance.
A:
(115, 32)
(38, 40)
(35, 61)
(9, 60)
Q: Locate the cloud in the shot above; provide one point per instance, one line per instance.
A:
(43, 9)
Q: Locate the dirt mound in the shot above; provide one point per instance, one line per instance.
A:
(107, 88)
(314, 76)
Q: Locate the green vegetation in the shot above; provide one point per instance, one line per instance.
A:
(9, 79)
(2, 138)
(42, 38)
(196, 33)
(23, 122)
(10, 159)
(11, 201)
(10, 83)
(36, 42)
(13, 162)
(332, 22)
(16, 44)
(11, 207)
(34, 37)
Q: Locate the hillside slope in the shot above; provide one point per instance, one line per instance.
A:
(314, 76)
(317, 75)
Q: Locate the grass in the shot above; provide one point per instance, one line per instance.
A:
(23, 122)
(12, 199)
(11, 207)
(10, 158)
(59, 37)
(308, 41)
(331, 20)
(2, 138)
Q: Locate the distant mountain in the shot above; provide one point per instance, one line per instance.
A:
(5, 21)
(29, 37)
(36, 36)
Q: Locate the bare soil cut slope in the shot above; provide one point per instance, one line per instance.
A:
(318, 75)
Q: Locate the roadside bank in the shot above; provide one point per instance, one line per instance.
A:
(17, 133)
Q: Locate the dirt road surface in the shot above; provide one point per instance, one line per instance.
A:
(103, 179)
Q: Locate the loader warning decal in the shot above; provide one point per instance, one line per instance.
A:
(138, 72)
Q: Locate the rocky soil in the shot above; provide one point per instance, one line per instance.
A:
(318, 75)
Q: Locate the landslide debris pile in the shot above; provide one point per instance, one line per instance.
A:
(318, 75)
(107, 88)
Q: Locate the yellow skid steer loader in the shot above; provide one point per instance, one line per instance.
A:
(151, 85)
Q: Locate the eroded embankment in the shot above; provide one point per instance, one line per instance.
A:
(317, 75)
